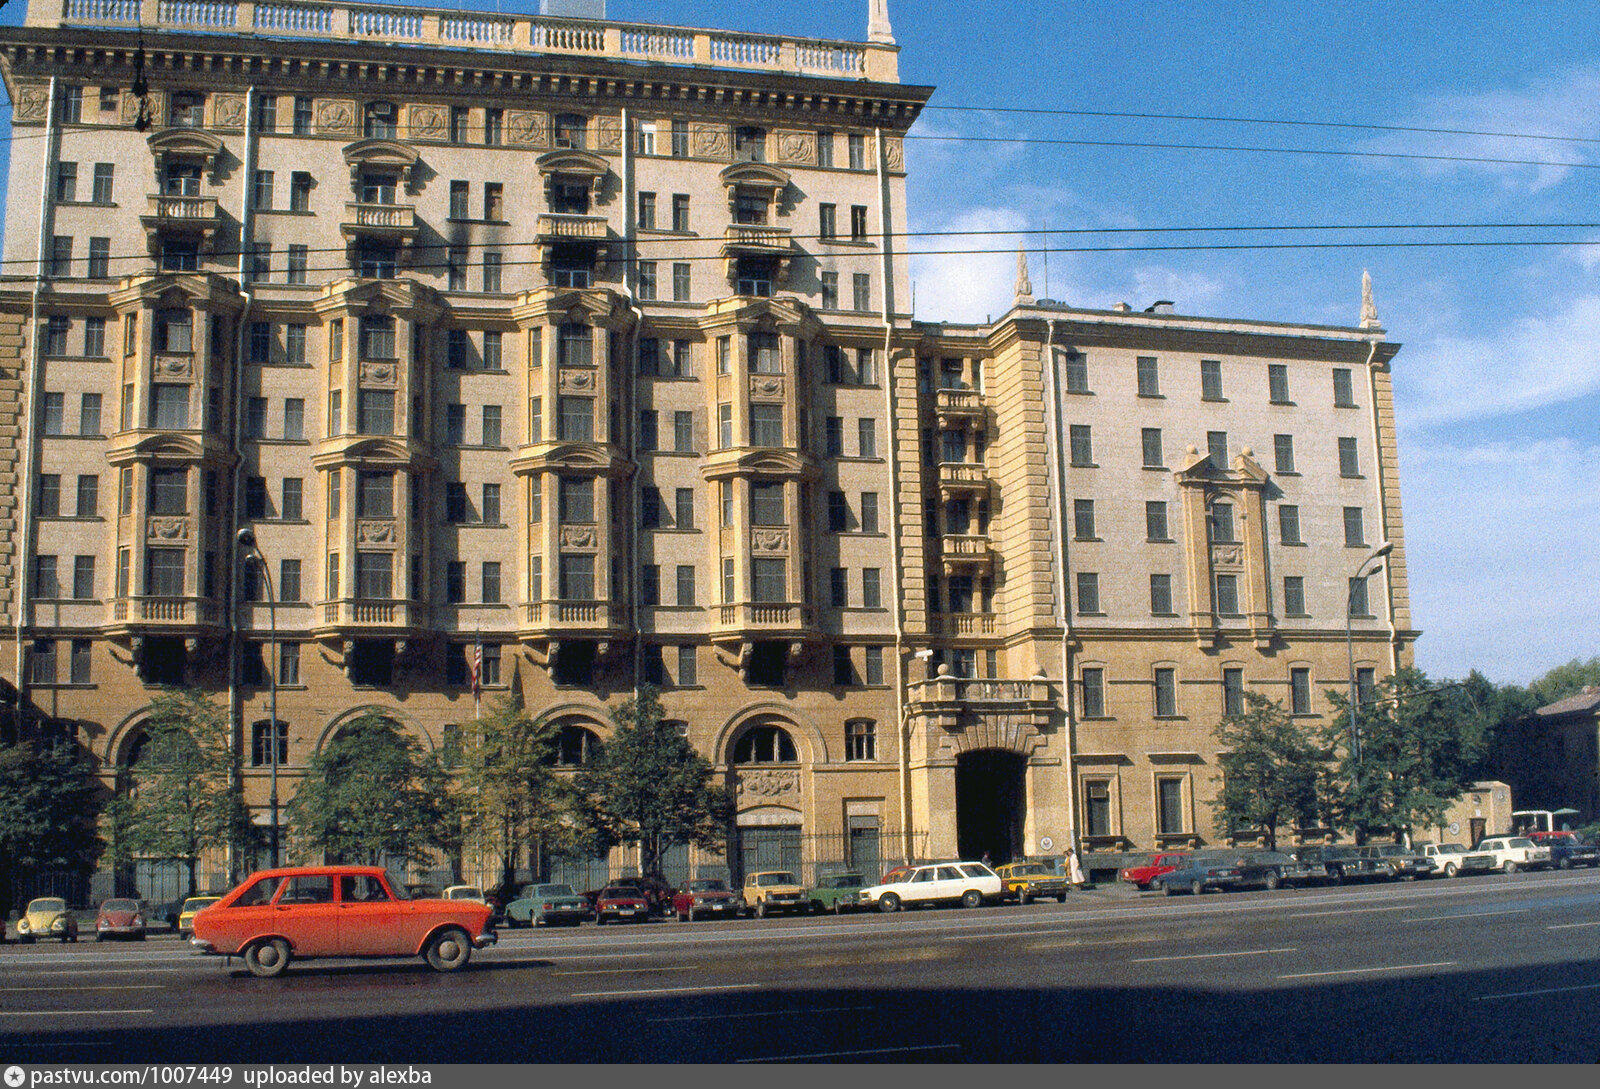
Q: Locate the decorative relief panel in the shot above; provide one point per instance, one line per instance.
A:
(769, 540)
(894, 153)
(427, 123)
(1227, 555)
(173, 366)
(33, 102)
(336, 116)
(379, 374)
(227, 112)
(579, 537)
(169, 529)
(769, 783)
(712, 141)
(130, 106)
(609, 133)
(527, 127)
(766, 385)
(574, 381)
(376, 532)
(797, 147)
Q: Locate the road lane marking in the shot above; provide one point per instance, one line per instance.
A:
(1569, 926)
(758, 1013)
(1352, 911)
(1209, 956)
(620, 971)
(68, 1013)
(129, 987)
(105, 971)
(1365, 971)
(668, 990)
(1465, 915)
(842, 1054)
(1547, 990)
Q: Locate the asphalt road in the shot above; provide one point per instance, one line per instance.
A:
(1495, 968)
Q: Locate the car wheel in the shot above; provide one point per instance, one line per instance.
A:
(267, 958)
(449, 950)
(761, 910)
(1061, 897)
(1026, 898)
(838, 906)
(1511, 867)
(1197, 887)
(599, 920)
(972, 898)
(1273, 880)
(1336, 875)
(139, 937)
(1450, 869)
(99, 937)
(1166, 889)
(1564, 864)
(685, 916)
(888, 902)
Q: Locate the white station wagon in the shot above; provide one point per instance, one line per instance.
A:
(969, 884)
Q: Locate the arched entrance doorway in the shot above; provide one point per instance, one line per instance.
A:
(991, 798)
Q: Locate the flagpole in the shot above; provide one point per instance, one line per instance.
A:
(477, 672)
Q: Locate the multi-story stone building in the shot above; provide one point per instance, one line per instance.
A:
(583, 349)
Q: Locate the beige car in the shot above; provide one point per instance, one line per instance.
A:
(775, 890)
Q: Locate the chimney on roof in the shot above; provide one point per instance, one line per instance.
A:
(1160, 306)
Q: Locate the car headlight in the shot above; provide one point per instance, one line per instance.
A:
(22, 926)
(138, 920)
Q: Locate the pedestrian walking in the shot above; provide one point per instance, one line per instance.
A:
(1074, 870)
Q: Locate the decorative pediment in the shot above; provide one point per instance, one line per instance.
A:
(374, 452)
(587, 306)
(771, 315)
(179, 289)
(574, 164)
(404, 298)
(587, 458)
(378, 451)
(764, 178)
(759, 461)
(185, 144)
(378, 154)
(1198, 469)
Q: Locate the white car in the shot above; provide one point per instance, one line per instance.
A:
(1453, 860)
(969, 884)
(1513, 853)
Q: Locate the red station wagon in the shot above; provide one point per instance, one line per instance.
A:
(337, 911)
(1141, 876)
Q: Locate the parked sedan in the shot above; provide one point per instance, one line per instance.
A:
(1203, 870)
(47, 917)
(1343, 863)
(1275, 869)
(619, 903)
(1567, 850)
(708, 896)
(1403, 860)
(838, 892)
(1454, 860)
(120, 918)
(547, 905)
(1513, 853)
(192, 907)
(970, 884)
(1028, 881)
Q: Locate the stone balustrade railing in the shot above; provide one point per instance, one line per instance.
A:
(484, 30)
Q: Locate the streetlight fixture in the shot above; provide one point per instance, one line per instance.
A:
(1349, 648)
(247, 542)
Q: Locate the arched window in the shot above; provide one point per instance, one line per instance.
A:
(577, 747)
(765, 745)
(379, 121)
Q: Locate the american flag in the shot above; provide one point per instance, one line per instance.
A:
(477, 671)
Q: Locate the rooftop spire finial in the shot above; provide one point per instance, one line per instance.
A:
(1369, 309)
(878, 28)
(1024, 289)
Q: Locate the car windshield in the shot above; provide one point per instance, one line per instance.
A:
(618, 892)
(553, 890)
(119, 905)
(1027, 868)
(48, 904)
(1519, 841)
(841, 881)
(1451, 849)
(195, 903)
(766, 879)
(709, 884)
(466, 892)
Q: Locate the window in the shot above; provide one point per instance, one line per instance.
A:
(375, 411)
(455, 502)
(574, 347)
(491, 271)
(53, 409)
(649, 507)
(1366, 680)
(490, 426)
(827, 221)
(1083, 519)
(1160, 595)
(1077, 371)
(61, 255)
(1357, 600)
(301, 120)
(766, 504)
(839, 588)
(460, 199)
(1219, 523)
(844, 669)
(1150, 440)
(685, 582)
(866, 437)
(455, 582)
(769, 580)
(650, 584)
(727, 581)
(459, 123)
(1217, 448)
(83, 577)
(1169, 807)
(825, 149)
(726, 487)
(455, 425)
(88, 505)
(1283, 453)
(1343, 392)
(1088, 593)
(374, 576)
(66, 182)
(858, 151)
(647, 138)
(374, 493)
(576, 419)
(163, 572)
(869, 512)
(379, 121)
(169, 406)
(830, 291)
(680, 140)
(749, 144)
(1149, 376)
(1278, 383)
(647, 211)
(1211, 380)
(1300, 690)
(99, 267)
(1093, 692)
(833, 436)
(647, 280)
(490, 577)
(874, 665)
(455, 346)
(577, 578)
(255, 497)
(56, 328)
(1166, 686)
(293, 499)
(255, 418)
(861, 284)
(50, 495)
(1081, 446)
(571, 130)
(858, 224)
(1354, 535)
(766, 425)
(42, 662)
(376, 262)
(765, 354)
(179, 256)
(104, 175)
(724, 426)
(335, 412)
(45, 583)
(182, 180)
(683, 508)
(489, 513)
(89, 414)
(1349, 460)
(871, 588)
(838, 513)
(263, 190)
(1294, 595)
(680, 281)
(724, 355)
(1227, 595)
(576, 500)
(1289, 524)
(72, 104)
(82, 656)
(860, 739)
(683, 432)
(494, 201)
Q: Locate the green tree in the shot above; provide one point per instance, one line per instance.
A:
(49, 805)
(1270, 773)
(1420, 745)
(183, 795)
(371, 796)
(650, 787)
(508, 794)
(1565, 680)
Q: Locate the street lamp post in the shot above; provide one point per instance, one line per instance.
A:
(247, 541)
(1349, 650)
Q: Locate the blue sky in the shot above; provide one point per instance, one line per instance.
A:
(1498, 385)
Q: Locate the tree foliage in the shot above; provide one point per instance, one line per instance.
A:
(1271, 770)
(649, 786)
(183, 796)
(49, 803)
(1420, 746)
(371, 796)
(1565, 680)
(509, 795)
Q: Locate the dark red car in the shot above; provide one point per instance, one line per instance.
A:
(656, 892)
(620, 903)
(120, 918)
(706, 896)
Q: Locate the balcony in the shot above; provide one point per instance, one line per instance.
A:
(761, 619)
(570, 227)
(959, 408)
(756, 240)
(984, 710)
(163, 615)
(965, 552)
(181, 216)
(572, 618)
(966, 624)
(369, 616)
(393, 223)
(962, 478)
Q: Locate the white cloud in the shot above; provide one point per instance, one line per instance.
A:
(975, 284)
(1503, 555)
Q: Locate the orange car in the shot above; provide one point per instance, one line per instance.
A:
(337, 911)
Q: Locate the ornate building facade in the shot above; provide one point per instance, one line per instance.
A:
(558, 356)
